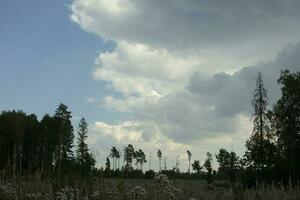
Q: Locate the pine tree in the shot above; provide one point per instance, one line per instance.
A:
(118, 158)
(189, 154)
(260, 141)
(107, 164)
(208, 167)
(128, 156)
(113, 154)
(141, 159)
(64, 151)
(159, 155)
(83, 156)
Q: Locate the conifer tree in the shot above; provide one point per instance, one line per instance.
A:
(128, 156)
(83, 156)
(64, 151)
(208, 167)
(159, 155)
(260, 141)
(189, 154)
(107, 164)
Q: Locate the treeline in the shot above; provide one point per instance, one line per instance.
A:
(28, 145)
(273, 150)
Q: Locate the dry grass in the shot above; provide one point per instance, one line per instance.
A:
(159, 189)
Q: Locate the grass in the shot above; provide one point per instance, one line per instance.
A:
(131, 189)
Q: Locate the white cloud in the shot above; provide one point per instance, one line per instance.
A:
(253, 30)
(179, 67)
(137, 68)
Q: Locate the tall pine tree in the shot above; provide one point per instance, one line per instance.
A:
(64, 153)
(260, 143)
(83, 157)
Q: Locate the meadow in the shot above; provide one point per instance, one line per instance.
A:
(159, 188)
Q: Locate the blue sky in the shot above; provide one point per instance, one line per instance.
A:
(176, 78)
(46, 59)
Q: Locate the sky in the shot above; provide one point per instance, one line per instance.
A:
(169, 74)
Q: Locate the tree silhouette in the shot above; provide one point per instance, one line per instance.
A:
(128, 156)
(107, 164)
(140, 158)
(287, 121)
(189, 154)
(196, 166)
(229, 163)
(208, 167)
(260, 141)
(165, 162)
(83, 156)
(117, 155)
(114, 154)
(64, 152)
(159, 155)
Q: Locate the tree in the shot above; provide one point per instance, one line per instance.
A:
(49, 143)
(260, 141)
(140, 158)
(83, 156)
(107, 164)
(176, 168)
(159, 155)
(15, 149)
(128, 156)
(136, 157)
(64, 152)
(117, 155)
(287, 122)
(189, 154)
(114, 154)
(31, 145)
(229, 163)
(165, 163)
(208, 167)
(196, 166)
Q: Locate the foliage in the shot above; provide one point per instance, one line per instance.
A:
(208, 167)
(159, 155)
(84, 158)
(128, 157)
(197, 166)
(229, 164)
(286, 123)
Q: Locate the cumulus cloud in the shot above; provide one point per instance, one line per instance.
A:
(231, 93)
(137, 68)
(178, 24)
(211, 112)
(185, 70)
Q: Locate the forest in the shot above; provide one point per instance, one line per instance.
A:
(51, 147)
